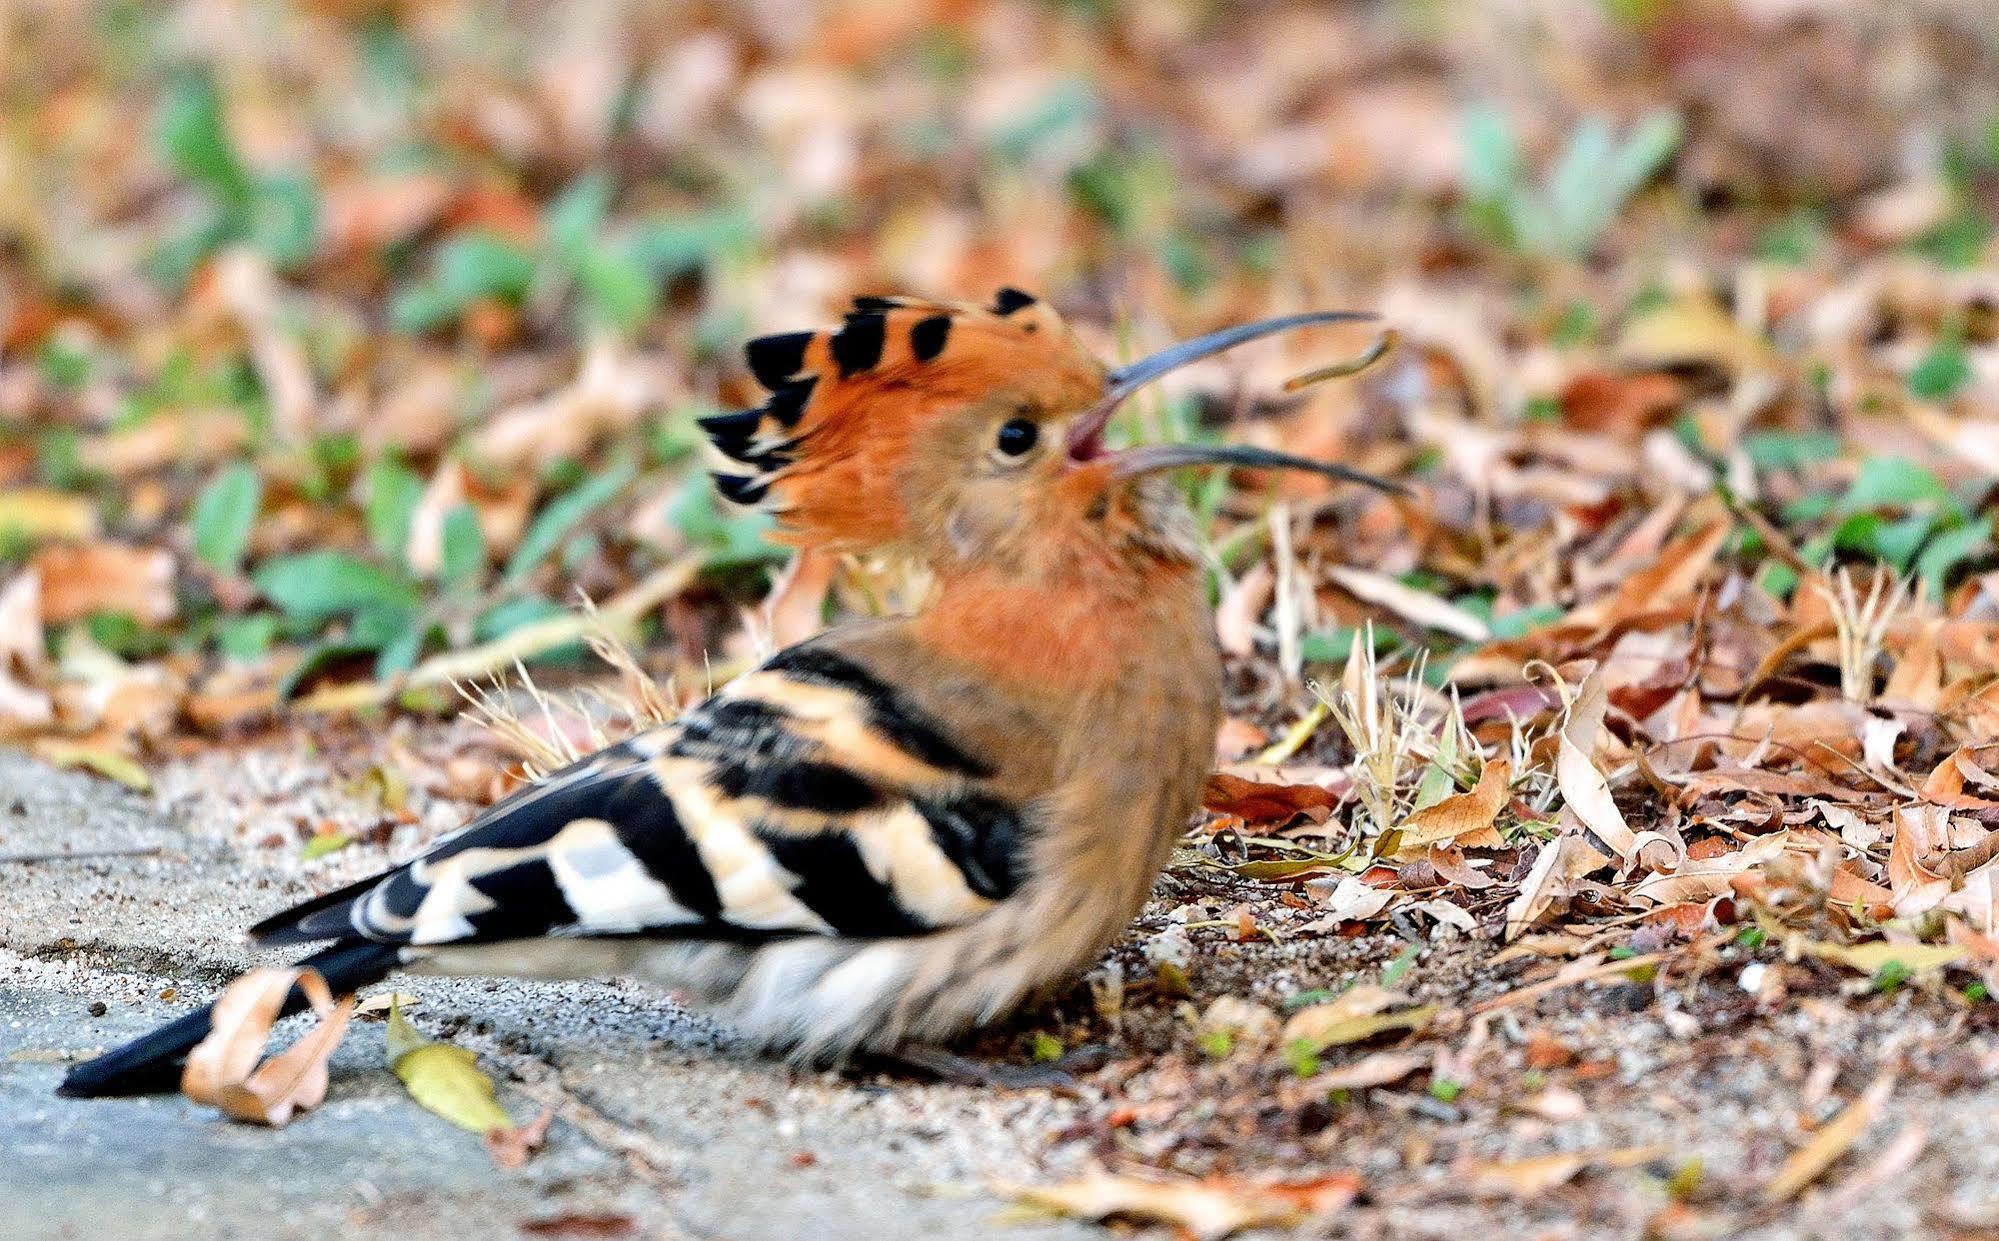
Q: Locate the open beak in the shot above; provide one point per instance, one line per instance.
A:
(1087, 432)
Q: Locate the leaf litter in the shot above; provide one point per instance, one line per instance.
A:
(1673, 685)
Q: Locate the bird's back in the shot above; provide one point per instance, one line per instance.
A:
(811, 796)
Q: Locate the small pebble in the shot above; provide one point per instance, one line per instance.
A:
(97, 1008)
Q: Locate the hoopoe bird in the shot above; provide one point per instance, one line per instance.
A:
(902, 828)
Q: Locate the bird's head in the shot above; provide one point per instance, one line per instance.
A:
(969, 435)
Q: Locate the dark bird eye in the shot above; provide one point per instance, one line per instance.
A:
(1017, 437)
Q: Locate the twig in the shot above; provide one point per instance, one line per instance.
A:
(1353, 366)
(78, 855)
(1534, 991)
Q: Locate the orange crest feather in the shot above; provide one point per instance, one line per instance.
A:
(823, 452)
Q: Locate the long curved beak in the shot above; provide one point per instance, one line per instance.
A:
(1149, 458)
(1086, 433)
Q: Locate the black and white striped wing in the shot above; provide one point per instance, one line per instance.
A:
(806, 798)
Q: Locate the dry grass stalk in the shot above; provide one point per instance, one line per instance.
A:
(1862, 623)
(608, 714)
(1382, 722)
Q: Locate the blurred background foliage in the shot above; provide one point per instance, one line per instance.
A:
(337, 335)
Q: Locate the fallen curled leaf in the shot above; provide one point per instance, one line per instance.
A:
(1585, 791)
(1360, 1012)
(222, 1070)
(1382, 1068)
(1620, 404)
(1256, 801)
(1831, 1141)
(1349, 899)
(1463, 815)
(1669, 580)
(1560, 863)
(1532, 1177)
(447, 1081)
(581, 1224)
(1206, 1209)
(1705, 878)
(1690, 329)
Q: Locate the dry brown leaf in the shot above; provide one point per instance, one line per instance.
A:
(1691, 329)
(1830, 1142)
(1668, 581)
(1561, 862)
(1360, 1012)
(1585, 791)
(1620, 404)
(1409, 603)
(201, 436)
(1920, 832)
(1207, 1209)
(1242, 606)
(1706, 878)
(105, 577)
(512, 1147)
(1255, 801)
(1460, 815)
(1347, 899)
(1382, 1068)
(1530, 1178)
(222, 1070)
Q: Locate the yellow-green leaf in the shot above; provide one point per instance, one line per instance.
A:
(37, 513)
(1870, 958)
(324, 843)
(443, 1079)
(107, 763)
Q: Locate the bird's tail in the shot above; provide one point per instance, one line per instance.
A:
(151, 1063)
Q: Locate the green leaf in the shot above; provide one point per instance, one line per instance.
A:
(393, 492)
(317, 659)
(468, 268)
(618, 292)
(284, 218)
(1790, 450)
(194, 139)
(727, 539)
(1492, 167)
(1943, 371)
(1894, 482)
(562, 515)
(677, 245)
(1896, 541)
(463, 560)
(1952, 548)
(572, 223)
(247, 637)
(1959, 241)
(323, 843)
(504, 618)
(480, 265)
(224, 515)
(321, 585)
(402, 651)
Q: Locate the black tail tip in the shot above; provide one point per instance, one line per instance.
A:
(93, 1079)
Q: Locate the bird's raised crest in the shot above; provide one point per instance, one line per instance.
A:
(844, 401)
